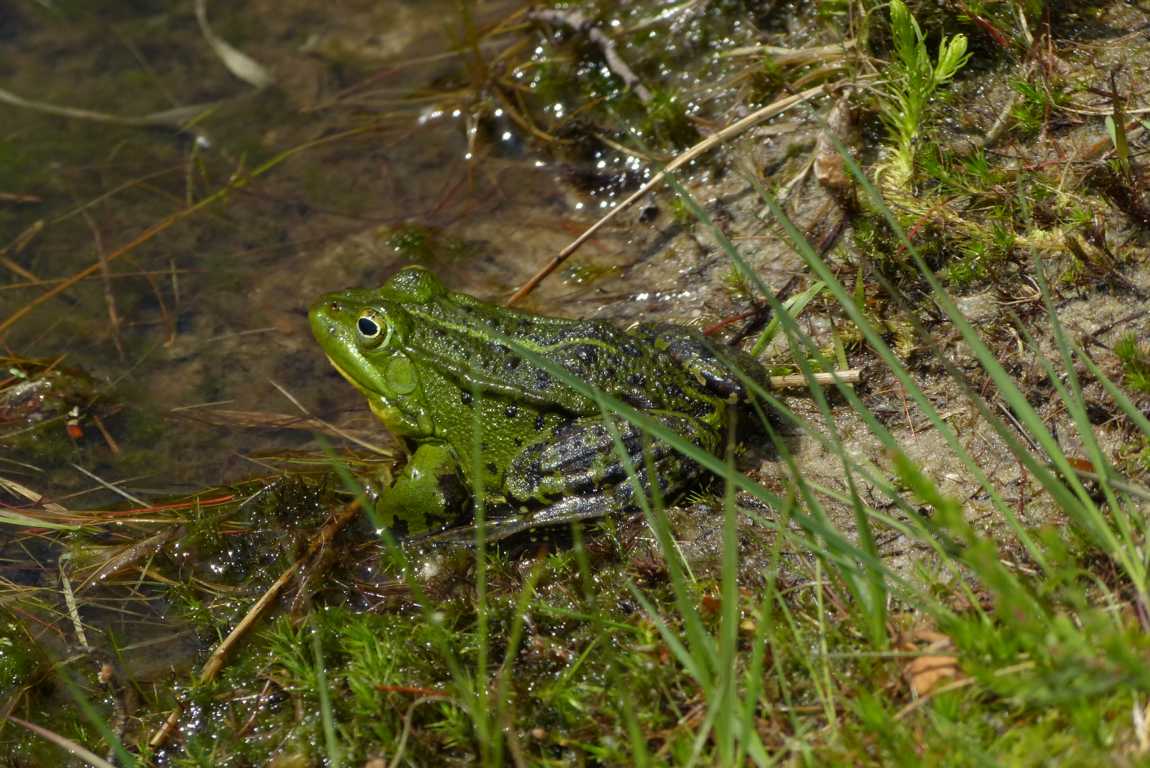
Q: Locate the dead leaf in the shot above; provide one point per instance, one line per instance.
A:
(925, 673)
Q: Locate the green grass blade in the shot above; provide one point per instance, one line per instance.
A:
(327, 718)
(794, 306)
(895, 366)
(123, 756)
(1085, 510)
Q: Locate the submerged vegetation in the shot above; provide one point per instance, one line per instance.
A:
(942, 558)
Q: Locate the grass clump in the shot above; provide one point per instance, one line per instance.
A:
(1134, 355)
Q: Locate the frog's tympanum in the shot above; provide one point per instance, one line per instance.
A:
(441, 370)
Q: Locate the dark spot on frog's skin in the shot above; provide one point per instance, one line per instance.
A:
(465, 397)
(635, 380)
(513, 363)
(511, 411)
(539, 423)
(637, 400)
(587, 355)
(519, 442)
(542, 380)
(491, 468)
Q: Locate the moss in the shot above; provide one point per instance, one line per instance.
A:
(424, 245)
(19, 660)
(585, 272)
(1134, 356)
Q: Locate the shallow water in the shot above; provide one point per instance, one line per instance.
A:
(381, 143)
(206, 318)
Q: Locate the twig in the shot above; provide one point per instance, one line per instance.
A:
(14, 198)
(140, 550)
(106, 280)
(16, 246)
(407, 723)
(702, 147)
(327, 425)
(169, 118)
(795, 380)
(215, 662)
(63, 743)
(110, 486)
(580, 23)
(1117, 482)
(113, 446)
(795, 56)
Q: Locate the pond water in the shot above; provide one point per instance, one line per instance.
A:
(192, 336)
(134, 257)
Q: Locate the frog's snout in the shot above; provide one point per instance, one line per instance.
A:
(324, 317)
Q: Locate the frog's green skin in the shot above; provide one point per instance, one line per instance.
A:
(433, 368)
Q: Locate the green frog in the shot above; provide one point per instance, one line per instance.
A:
(441, 370)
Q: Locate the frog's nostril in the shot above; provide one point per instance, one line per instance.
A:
(333, 306)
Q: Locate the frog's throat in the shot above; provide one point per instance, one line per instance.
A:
(341, 371)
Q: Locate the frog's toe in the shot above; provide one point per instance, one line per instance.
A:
(567, 510)
(723, 370)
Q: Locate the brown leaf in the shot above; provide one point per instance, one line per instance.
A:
(926, 673)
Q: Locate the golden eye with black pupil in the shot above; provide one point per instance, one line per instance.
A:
(370, 331)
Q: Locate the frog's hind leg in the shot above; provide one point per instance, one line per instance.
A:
(716, 365)
(498, 527)
(577, 472)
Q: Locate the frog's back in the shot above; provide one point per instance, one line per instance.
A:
(458, 327)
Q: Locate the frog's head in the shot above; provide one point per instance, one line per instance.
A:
(364, 333)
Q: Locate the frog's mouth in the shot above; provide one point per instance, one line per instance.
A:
(342, 372)
(351, 380)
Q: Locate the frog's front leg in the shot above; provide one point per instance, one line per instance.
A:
(577, 473)
(428, 494)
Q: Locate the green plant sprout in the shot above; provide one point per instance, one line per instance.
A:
(913, 82)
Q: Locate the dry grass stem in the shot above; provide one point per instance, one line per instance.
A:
(219, 655)
(712, 141)
(797, 380)
(64, 743)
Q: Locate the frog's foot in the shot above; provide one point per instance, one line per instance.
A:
(427, 495)
(505, 523)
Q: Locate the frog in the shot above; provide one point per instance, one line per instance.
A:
(486, 423)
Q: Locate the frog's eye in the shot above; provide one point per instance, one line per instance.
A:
(367, 327)
(371, 333)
